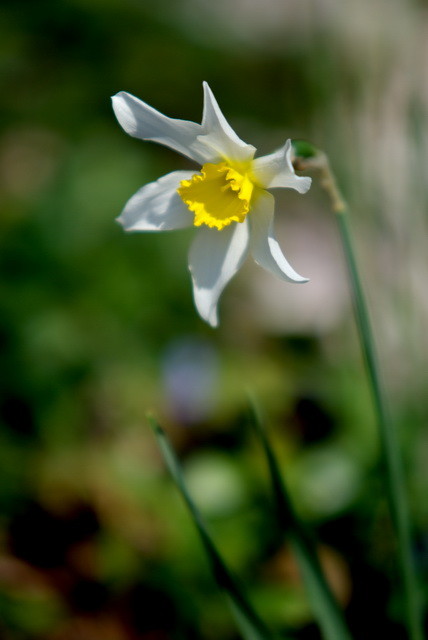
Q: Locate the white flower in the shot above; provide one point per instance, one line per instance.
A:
(228, 198)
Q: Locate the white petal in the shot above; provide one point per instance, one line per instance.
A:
(276, 170)
(157, 206)
(140, 120)
(214, 258)
(264, 246)
(219, 136)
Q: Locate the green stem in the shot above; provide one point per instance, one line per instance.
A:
(388, 436)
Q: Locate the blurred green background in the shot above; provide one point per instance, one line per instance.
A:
(97, 326)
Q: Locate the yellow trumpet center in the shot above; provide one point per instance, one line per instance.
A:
(219, 194)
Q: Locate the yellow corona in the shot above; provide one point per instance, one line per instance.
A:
(220, 194)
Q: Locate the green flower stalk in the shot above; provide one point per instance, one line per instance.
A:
(307, 157)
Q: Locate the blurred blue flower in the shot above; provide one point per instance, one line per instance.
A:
(190, 374)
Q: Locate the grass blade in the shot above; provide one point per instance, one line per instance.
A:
(251, 626)
(325, 608)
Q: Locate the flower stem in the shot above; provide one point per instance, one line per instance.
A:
(387, 432)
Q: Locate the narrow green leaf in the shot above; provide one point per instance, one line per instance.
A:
(251, 626)
(325, 608)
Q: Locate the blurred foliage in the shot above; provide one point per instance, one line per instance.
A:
(97, 326)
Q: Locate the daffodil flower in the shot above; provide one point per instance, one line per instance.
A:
(228, 199)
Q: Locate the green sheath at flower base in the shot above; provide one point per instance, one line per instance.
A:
(304, 149)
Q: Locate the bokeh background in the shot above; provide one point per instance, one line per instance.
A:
(97, 327)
